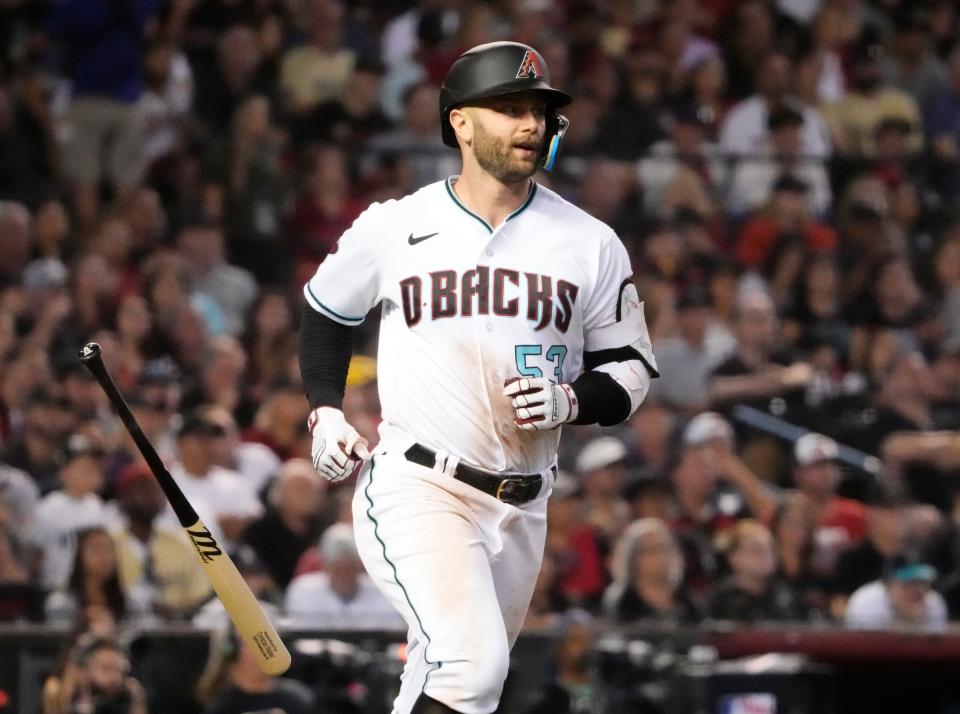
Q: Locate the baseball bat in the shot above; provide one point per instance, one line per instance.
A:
(751, 416)
(241, 605)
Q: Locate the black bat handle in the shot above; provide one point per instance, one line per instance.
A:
(91, 357)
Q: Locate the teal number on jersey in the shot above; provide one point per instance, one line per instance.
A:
(555, 354)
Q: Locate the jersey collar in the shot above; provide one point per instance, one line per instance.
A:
(527, 201)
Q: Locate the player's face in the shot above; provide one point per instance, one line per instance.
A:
(508, 135)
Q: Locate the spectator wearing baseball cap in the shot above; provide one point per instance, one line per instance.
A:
(154, 561)
(71, 508)
(839, 523)
(756, 179)
(225, 502)
(888, 534)
(904, 597)
(686, 148)
(688, 356)
(602, 468)
(704, 505)
(853, 119)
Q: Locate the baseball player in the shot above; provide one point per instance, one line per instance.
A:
(506, 313)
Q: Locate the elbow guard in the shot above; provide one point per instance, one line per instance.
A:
(632, 377)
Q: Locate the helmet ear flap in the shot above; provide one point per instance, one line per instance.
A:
(557, 126)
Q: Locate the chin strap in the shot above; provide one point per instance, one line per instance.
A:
(550, 156)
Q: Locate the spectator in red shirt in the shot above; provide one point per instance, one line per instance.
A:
(574, 545)
(839, 523)
(787, 227)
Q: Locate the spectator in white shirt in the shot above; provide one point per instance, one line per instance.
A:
(74, 506)
(225, 502)
(687, 148)
(904, 597)
(342, 596)
(780, 155)
(744, 131)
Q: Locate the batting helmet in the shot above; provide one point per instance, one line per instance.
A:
(497, 69)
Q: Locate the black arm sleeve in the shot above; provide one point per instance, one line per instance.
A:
(602, 400)
(325, 350)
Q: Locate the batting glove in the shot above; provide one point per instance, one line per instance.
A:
(338, 450)
(540, 404)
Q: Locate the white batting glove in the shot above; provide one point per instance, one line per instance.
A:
(540, 404)
(338, 450)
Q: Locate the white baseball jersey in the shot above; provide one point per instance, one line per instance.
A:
(466, 307)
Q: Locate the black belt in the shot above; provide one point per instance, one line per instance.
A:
(512, 488)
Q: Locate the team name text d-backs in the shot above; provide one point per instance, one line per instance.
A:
(484, 291)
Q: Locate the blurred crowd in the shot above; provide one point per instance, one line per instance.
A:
(784, 174)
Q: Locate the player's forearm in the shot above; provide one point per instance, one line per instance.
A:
(325, 350)
(611, 392)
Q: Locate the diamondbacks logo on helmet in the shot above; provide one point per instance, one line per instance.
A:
(530, 67)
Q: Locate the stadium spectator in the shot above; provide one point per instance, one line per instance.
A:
(318, 70)
(754, 179)
(101, 46)
(94, 678)
(688, 357)
(752, 593)
(686, 148)
(342, 596)
(839, 523)
(757, 371)
(256, 463)
(232, 681)
(93, 591)
(648, 577)
(793, 528)
(704, 506)
(224, 501)
(62, 513)
(323, 211)
(575, 684)
(214, 615)
(912, 65)
(297, 513)
(744, 128)
(574, 544)
(904, 597)
(854, 118)
(280, 422)
(20, 598)
(888, 533)
(416, 146)
(233, 288)
(156, 564)
(602, 469)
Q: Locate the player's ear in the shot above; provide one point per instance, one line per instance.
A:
(462, 124)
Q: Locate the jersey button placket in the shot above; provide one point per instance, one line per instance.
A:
(488, 326)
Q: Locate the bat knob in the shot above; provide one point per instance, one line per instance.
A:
(89, 351)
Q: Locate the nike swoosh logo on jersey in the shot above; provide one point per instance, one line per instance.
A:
(419, 239)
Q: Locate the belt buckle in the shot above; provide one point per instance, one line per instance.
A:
(506, 493)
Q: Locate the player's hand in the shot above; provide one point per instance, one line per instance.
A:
(338, 449)
(539, 404)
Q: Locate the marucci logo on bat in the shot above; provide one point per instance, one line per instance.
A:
(205, 544)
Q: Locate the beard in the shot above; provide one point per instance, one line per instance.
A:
(498, 159)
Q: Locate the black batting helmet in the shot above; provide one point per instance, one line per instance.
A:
(496, 69)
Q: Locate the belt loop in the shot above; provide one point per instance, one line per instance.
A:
(450, 465)
(445, 463)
